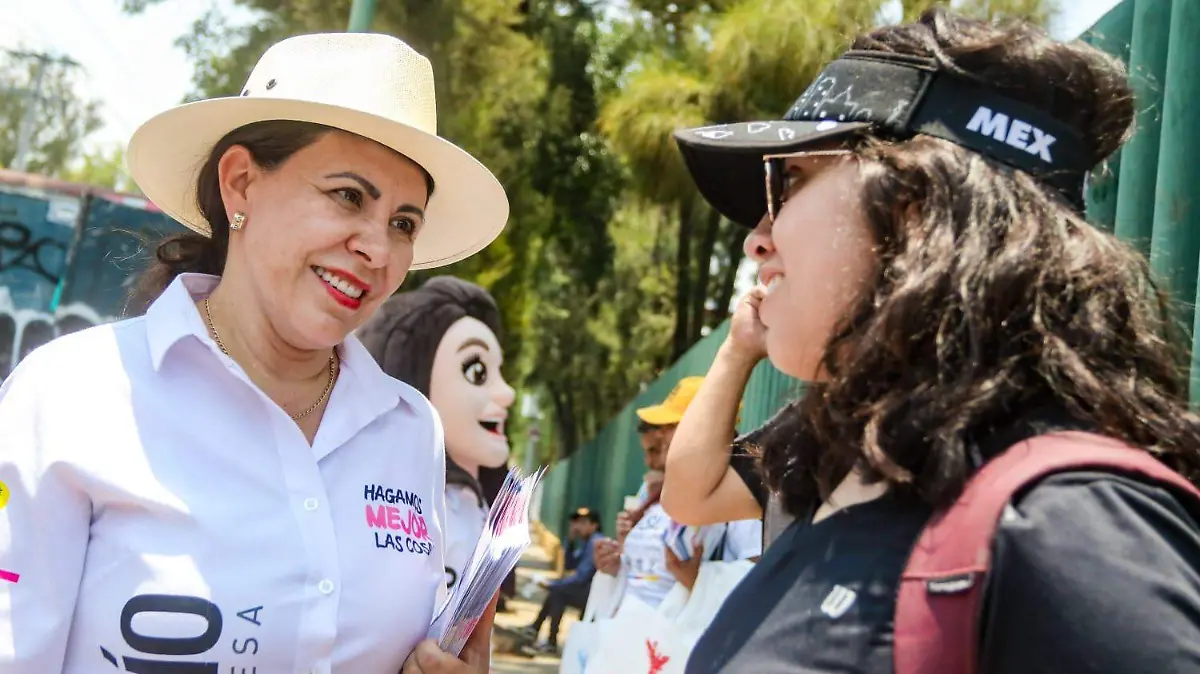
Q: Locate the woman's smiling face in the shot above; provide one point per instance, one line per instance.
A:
(328, 236)
(815, 260)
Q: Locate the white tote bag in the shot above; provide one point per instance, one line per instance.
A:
(713, 585)
(658, 641)
(603, 597)
(638, 639)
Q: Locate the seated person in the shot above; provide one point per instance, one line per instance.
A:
(640, 551)
(572, 589)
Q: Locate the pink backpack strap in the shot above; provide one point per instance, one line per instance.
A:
(941, 590)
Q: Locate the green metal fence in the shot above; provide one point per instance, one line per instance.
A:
(1147, 194)
(609, 467)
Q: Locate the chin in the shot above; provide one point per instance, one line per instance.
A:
(789, 359)
(496, 461)
(486, 452)
(324, 333)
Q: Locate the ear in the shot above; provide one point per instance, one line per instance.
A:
(236, 171)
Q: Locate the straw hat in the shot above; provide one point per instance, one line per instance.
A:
(371, 85)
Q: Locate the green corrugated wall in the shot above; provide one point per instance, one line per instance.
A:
(609, 467)
(1146, 194)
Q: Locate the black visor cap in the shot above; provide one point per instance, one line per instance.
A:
(726, 162)
(891, 96)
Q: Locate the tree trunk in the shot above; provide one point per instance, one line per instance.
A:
(683, 279)
(591, 411)
(565, 418)
(656, 254)
(735, 237)
(700, 292)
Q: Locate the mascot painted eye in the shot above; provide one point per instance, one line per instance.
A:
(442, 340)
(475, 371)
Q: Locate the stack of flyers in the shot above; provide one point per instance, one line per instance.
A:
(504, 538)
(681, 540)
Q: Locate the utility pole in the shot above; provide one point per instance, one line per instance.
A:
(531, 414)
(531, 450)
(362, 13)
(33, 100)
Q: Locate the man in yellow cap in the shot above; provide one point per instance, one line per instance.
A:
(640, 552)
(658, 422)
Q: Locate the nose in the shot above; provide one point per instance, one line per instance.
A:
(504, 394)
(758, 244)
(370, 243)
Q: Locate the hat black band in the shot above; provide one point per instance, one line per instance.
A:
(901, 96)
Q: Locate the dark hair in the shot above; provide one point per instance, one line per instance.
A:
(270, 143)
(991, 296)
(403, 336)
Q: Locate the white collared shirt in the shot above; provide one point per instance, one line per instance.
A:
(159, 508)
(465, 518)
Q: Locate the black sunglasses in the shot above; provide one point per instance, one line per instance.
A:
(776, 174)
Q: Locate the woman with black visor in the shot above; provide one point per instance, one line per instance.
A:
(925, 264)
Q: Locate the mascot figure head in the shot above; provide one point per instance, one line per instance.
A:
(442, 339)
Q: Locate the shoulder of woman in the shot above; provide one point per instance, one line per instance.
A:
(1095, 502)
(1094, 567)
(1091, 531)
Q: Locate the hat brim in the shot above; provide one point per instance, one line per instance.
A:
(726, 161)
(467, 211)
(658, 415)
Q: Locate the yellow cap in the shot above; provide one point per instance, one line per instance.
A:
(671, 410)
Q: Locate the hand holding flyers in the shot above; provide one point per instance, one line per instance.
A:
(504, 538)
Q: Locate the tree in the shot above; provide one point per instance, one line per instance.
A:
(63, 120)
(103, 167)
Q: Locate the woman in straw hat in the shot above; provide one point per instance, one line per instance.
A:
(217, 485)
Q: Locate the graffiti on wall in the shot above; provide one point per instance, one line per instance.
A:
(23, 330)
(21, 249)
(67, 259)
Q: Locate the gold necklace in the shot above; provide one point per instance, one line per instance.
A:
(332, 366)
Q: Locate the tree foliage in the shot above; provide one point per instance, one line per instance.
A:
(103, 167)
(62, 120)
(611, 265)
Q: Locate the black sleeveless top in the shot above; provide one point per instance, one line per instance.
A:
(1092, 572)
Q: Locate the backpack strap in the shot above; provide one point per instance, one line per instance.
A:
(940, 601)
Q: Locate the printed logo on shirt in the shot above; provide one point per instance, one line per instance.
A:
(397, 519)
(4, 493)
(9, 576)
(839, 601)
(175, 653)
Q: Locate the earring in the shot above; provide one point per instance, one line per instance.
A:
(239, 221)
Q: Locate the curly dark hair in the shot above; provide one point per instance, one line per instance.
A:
(991, 295)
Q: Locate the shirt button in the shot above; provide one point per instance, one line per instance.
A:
(325, 586)
(310, 504)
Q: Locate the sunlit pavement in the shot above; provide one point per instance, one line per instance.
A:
(522, 611)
